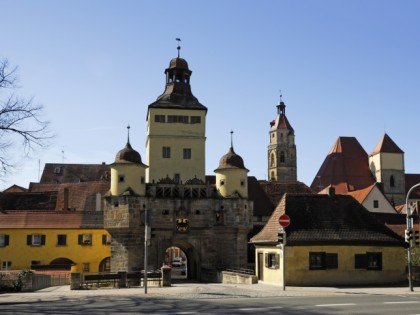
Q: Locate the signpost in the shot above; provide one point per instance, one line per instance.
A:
(284, 221)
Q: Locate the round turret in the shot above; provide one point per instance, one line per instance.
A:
(128, 155)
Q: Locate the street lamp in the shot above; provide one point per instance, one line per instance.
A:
(409, 228)
(146, 240)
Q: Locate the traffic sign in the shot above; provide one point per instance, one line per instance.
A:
(284, 220)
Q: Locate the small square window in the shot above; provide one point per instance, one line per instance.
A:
(121, 178)
(4, 240)
(316, 261)
(187, 154)
(6, 265)
(376, 203)
(272, 260)
(106, 239)
(61, 239)
(85, 239)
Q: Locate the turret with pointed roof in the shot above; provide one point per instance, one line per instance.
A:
(282, 148)
(386, 163)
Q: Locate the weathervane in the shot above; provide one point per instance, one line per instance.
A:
(280, 95)
(179, 47)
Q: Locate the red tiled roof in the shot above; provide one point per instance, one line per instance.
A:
(15, 188)
(322, 219)
(51, 220)
(346, 168)
(386, 145)
(361, 194)
(70, 173)
(410, 181)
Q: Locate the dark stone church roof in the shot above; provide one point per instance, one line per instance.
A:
(231, 160)
(326, 220)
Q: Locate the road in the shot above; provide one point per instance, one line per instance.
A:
(302, 305)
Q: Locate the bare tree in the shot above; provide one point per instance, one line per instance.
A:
(20, 120)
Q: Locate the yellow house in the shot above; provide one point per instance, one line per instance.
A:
(35, 239)
(331, 240)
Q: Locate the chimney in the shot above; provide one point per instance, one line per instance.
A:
(331, 191)
(66, 199)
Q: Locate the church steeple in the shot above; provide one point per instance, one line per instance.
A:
(282, 148)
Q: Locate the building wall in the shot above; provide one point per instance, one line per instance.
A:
(21, 255)
(133, 175)
(299, 274)
(234, 180)
(177, 136)
(282, 141)
(383, 204)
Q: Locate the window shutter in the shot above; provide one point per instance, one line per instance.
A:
(6, 240)
(80, 239)
(266, 260)
(104, 239)
(43, 239)
(277, 261)
(29, 239)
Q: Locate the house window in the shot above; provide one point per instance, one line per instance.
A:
(61, 239)
(57, 170)
(195, 120)
(35, 240)
(85, 239)
(317, 261)
(86, 267)
(272, 260)
(160, 118)
(166, 152)
(369, 261)
(222, 182)
(187, 154)
(106, 239)
(332, 260)
(6, 265)
(376, 203)
(4, 240)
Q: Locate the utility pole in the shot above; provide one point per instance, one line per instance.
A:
(146, 239)
(409, 230)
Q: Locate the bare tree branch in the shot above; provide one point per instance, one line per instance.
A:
(19, 119)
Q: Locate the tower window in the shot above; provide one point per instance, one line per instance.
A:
(142, 180)
(195, 119)
(166, 152)
(160, 118)
(272, 160)
(121, 178)
(242, 183)
(392, 181)
(187, 154)
(222, 182)
(282, 159)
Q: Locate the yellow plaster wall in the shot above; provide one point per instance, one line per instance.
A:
(232, 179)
(132, 178)
(391, 161)
(177, 136)
(298, 272)
(21, 255)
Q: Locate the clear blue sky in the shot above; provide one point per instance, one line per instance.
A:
(345, 68)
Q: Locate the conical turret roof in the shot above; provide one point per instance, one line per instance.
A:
(231, 160)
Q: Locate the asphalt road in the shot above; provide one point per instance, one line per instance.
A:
(302, 305)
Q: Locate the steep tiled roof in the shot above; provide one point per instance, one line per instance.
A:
(231, 160)
(386, 145)
(262, 204)
(276, 189)
(81, 196)
(325, 220)
(361, 194)
(70, 173)
(346, 168)
(15, 188)
(28, 200)
(51, 220)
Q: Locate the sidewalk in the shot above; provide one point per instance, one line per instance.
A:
(201, 291)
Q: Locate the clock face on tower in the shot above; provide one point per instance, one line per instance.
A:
(182, 224)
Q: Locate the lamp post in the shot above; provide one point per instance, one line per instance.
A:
(409, 228)
(146, 227)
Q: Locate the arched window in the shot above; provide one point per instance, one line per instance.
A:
(272, 176)
(392, 181)
(282, 157)
(272, 160)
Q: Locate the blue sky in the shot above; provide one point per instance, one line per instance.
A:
(345, 68)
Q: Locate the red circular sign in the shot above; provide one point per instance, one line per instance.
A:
(284, 220)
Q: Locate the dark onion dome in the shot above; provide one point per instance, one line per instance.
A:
(128, 155)
(231, 161)
(179, 63)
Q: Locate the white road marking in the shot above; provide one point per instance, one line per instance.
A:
(404, 302)
(260, 308)
(332, 305)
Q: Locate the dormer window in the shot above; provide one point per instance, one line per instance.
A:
(57, 170)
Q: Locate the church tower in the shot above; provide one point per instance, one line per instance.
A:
(175, 145)
(282, 148)
(386, 163)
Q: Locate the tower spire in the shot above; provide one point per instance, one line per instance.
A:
(179, 46)
(231, 139)
(128, 133)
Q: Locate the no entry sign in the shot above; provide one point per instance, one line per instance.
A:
(284, 220)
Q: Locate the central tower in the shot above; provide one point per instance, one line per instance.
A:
(175, 145)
